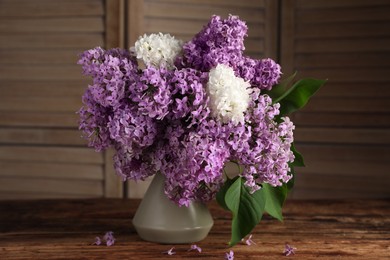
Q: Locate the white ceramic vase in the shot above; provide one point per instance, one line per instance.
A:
(160, 220)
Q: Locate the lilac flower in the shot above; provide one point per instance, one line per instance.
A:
(109, 238)
(170, 251)
(195, 247)
(182, 121)
(249, 241)
(97, 242)
(220, 42)
(289, 250)
(230, 255)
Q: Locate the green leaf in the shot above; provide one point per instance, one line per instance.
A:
(290, 183)
(247, 209)
(298, 95)
(274, 199)
(222, 192)
(279, 89)
(298, 161)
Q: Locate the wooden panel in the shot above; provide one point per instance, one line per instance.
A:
(43, 104)
(41, 136)
(42, 153)
(342, 135)
(38, 57)
(200, 12)
(56, 25)
(23, 88)
(51, 170)
(50, 154)
(53, 40)
(344, 131)
(38, 119)
(79, 187)
(342, 119)
(28, 8)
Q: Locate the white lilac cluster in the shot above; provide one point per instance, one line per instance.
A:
(229, 95)
(159, 50)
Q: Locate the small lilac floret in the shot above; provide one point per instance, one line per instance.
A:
(97, 242)
(289, 250)
(195, 247)
(170, 251)
(230, 255)
(109, 238)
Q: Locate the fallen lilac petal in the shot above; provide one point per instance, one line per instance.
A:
(230, 255)
(195, 247)
(289, 250)
(109, 238)
(98, 241)
(249, 241)
(170, 251)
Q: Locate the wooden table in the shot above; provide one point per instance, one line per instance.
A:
(65, 229)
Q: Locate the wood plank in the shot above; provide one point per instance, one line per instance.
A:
(40, 104)
(39, 56)
(342, 60)
(51, 170)
(344, 153)
(114, 24)
(79, 187)
(361, 45)
(363, 105)
(154, 25)
(135, 14)
(327, 229)
(367, 75)
(375, 184)
(113, 184)
(342, 30)
(288, 49)
(300, 193)
(342, 135)
(27, 8)
(309, 4)
(43, 136)
(342, 119)
(253, 45)
(346, 168)
(200, 12)
(39, 119)
(232, 3)
(52, 25)
(272, 30)
(353, 89)
(53, 40)
(60, 72)
(351, 14)
(20, 195)
(50, 154)
(45, 88)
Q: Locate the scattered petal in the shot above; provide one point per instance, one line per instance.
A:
(249, 241)
(195, 247)
(98, 241)
(289, 250)
(109, 238)
(170, 251)
(230, 255)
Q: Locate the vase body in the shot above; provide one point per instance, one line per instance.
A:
(160, 220)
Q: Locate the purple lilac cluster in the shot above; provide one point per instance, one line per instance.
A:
(159, 120)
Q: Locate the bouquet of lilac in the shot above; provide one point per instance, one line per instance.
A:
(185, 109)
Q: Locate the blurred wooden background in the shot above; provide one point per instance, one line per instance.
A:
(343, 133)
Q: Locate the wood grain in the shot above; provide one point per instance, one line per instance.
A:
(325, 229)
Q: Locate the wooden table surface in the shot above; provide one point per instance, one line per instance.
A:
(66, 229)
